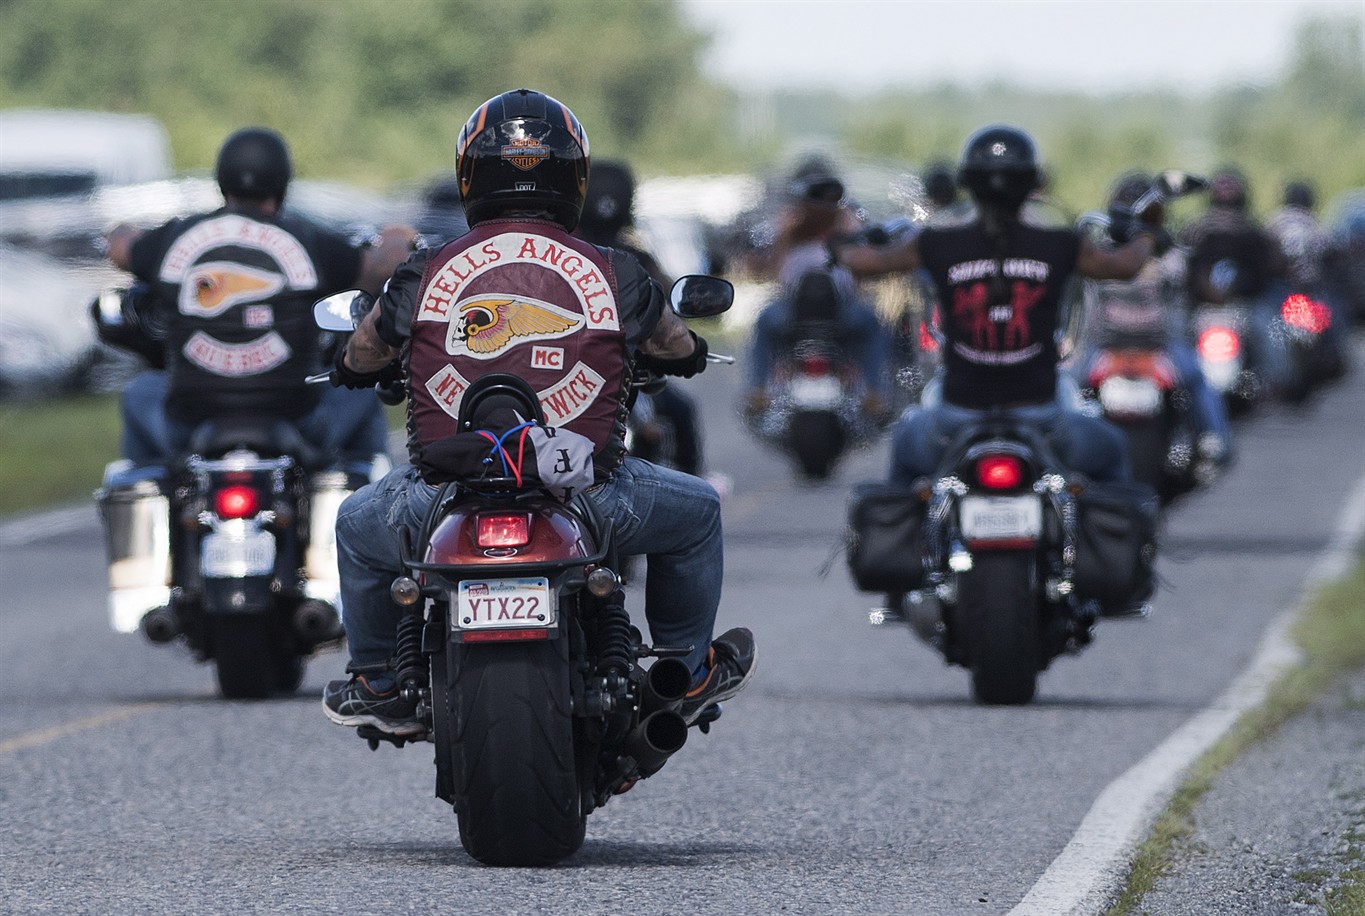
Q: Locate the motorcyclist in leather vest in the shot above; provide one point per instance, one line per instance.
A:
(232, 292)
(1000, 282)
(519, 294)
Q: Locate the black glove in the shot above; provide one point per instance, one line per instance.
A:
(1124, 227)
(683, 366)
(343, 376)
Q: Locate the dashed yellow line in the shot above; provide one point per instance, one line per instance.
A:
(48, 735)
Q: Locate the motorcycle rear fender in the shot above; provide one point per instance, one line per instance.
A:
(247, 595)
(1129, 363)
(558, 538)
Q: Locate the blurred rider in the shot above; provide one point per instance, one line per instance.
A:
(815, 213)
(1000, 282)
(1308, 252)
(519, 294)
(234, 291)
(608, 220)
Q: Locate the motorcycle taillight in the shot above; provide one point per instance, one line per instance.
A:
(236, 502)
(1219, 345)
(815, 365)
(1303, 313)
(504, 529)
(999, 472)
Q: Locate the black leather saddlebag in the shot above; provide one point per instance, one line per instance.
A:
(886, 538)
(1116, 543)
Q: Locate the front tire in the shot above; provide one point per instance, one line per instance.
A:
(998, 625)
(512, 754)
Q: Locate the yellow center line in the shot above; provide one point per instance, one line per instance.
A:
(48, 735)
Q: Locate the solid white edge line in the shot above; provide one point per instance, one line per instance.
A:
(1092, 867)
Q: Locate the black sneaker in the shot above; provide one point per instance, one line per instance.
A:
(730, 664)
(354, 702)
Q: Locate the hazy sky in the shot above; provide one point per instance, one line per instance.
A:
(862, 44)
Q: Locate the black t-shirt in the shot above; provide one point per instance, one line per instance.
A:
(1229, 236)
(237, 288)
(1000, 304)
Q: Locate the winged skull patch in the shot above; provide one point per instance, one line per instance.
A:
(486, 324)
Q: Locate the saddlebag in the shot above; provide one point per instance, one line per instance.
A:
(137, 519)
(886, 538)
(1115, 543)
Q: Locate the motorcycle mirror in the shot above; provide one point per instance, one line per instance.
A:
(700, 296)
(342, 311)
(1175, 183)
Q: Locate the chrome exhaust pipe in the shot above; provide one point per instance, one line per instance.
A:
(159, 625)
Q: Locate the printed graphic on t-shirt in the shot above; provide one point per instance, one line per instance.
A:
(997, 333)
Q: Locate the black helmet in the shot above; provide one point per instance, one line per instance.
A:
(815, 182)
(1300, 194)
(999, 166)
(610, 198)
(522, 150)
(1228, 189)
(254, 164)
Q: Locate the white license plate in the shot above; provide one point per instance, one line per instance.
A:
(1134, 397)
(498, 604)
(822, 391)
(232, 556)
(1001, 518)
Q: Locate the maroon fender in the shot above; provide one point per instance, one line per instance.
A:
(554, 534)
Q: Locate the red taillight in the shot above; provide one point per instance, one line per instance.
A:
(504, 530)
(815, 365)
(1219, 345)
(928, 343)
(235, 502)
(1305, 314)
(999, 472)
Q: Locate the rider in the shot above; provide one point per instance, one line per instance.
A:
(815, 213)
(1231, 257)
(1126, 304)
(608, 219)
(234, 290)
(1308, 252)
(522, 163)
(1001, 281)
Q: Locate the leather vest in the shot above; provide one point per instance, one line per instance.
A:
(526, 298)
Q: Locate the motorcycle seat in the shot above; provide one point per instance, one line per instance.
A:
(267, 437)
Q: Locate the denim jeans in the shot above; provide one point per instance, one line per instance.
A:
(349, 423)
(1086, 444)
(870, 343)
(671, 517)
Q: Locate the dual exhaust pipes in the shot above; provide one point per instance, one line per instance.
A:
(661, 731)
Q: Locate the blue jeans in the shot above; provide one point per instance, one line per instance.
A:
(1086, 444)
(671, 517)
(869, 340)
(348, 423)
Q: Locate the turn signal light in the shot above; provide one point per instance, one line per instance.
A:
(504, 530)
(999, 472)
(236, 502)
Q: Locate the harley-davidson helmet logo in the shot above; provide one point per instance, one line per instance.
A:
(525, 153)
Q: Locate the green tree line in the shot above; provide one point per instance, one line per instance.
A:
(375, 91)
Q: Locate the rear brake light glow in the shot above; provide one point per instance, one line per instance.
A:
(504, 530)
(1303, 313)
(999, 472)
(815, 365)
(1219, 345)
(236, 502)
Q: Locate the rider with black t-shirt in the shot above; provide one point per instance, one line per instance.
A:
(1000, 283)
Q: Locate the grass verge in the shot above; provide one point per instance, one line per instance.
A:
(55, 450)
(1331, 633)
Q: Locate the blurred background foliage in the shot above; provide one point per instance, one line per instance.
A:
(374, 91)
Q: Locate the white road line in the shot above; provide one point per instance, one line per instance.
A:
(1091, 869)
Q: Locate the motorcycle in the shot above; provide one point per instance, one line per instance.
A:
(1227, 355)
(230, 549)
(516, 644)
(816, 410)
(1315, 357)
(1004, 561)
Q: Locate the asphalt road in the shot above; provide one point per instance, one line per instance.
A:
(854, 776)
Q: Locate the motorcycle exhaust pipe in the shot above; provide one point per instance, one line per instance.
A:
(665, 684)
(159, 625)
(659, 736)
(317, 622)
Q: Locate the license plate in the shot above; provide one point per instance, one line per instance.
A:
(816, 391)
(498, 604)
(1134, 397)
(1001, 518)
(232, 556)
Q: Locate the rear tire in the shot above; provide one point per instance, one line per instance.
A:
(817, 439)
(244, 656)
(517, 796)
(999, 628)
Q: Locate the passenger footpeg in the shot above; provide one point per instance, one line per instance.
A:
(374, 735)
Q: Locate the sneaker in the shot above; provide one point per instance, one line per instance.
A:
(729, 665)
(354, 702)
